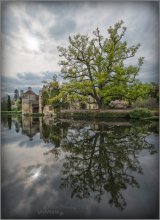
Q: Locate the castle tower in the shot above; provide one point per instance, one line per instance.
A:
(21, 93)
(40, 101)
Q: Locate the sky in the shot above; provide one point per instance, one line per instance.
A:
(31, 32)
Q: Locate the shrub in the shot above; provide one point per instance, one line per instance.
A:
(148, 103)
(140, 113)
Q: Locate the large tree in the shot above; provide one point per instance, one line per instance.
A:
(97, 67)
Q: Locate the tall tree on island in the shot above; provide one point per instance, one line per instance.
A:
(16, 94)
(9, 103)
(97, 67)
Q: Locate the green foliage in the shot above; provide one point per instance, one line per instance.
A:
(154, 92)
(96, 67)
(50, 91)
(140, 113)
(53, 95)
(18, 104)
(11, 112)
(4, 105)
(45, 98)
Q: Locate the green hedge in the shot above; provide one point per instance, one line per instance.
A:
(87, 114)
(10, 112)
(140, 113)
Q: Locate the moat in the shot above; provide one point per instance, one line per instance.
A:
(65, 168)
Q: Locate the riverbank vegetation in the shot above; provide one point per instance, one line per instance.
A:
(11, 112)
(144, 114)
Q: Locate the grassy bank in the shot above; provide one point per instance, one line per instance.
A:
(20, 113)
(11, 112)
(110, 113)
(94, 114)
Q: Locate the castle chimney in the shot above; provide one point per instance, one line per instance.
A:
(29, 89)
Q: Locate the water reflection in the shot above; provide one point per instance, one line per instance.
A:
(7, 122)
(99, 159)
(103, 159)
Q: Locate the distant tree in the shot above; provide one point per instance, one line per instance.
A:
(97, 67)
(154, 93)
(16, 94)
(4, 104)
(9, 103)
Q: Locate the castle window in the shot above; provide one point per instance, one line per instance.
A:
(50, 107)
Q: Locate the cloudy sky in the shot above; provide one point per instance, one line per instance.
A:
(31, 32)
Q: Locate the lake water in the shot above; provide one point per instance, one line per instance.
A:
(58, 168)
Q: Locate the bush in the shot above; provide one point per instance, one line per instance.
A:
(140, 113)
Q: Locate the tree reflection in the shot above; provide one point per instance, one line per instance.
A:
(103, 159)
(54, 132)
(9, 123)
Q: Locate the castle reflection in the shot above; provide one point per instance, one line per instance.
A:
(30, 127)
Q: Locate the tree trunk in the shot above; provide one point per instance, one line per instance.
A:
(100, 104)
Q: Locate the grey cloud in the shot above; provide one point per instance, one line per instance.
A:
(48, 74)
(62, 28)
(149, 72)
(64, 12)
(9, 84)
(28, 25)
(28, 76)
(10, 22)
(63, 8)
(25, 79)
(35, 10)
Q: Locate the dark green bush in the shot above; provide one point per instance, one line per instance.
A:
(140, 113)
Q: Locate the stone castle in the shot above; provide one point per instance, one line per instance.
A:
(32, 103)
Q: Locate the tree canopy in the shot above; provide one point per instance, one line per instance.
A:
(96, 68)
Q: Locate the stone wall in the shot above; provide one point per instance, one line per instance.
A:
(48, 110)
